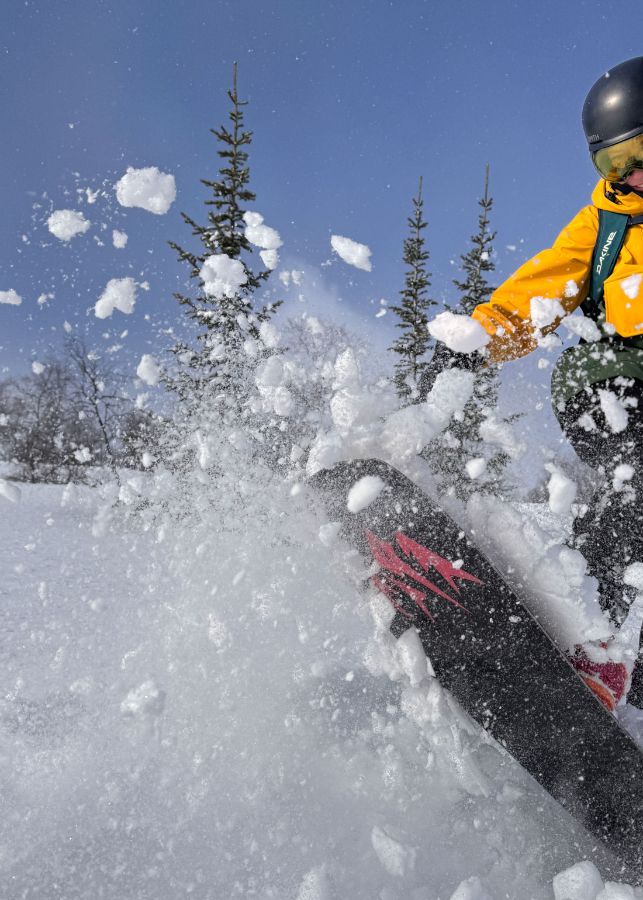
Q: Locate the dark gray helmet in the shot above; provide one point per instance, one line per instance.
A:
(613, 109)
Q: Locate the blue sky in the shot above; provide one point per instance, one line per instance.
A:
(350, 102)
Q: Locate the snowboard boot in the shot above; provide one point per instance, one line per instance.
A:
(608, 680)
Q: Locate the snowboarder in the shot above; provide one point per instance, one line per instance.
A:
(597, 386)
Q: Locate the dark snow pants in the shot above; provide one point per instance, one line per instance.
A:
(604, 425)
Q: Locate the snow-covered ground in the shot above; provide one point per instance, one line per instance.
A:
(204, 704)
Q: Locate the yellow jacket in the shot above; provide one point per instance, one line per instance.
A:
(563, 273)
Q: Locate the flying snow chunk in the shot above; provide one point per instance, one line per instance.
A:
(631, 285)
(286, 277)
(83, 455)
(119, 239)
(65, 224)
(561, 489)
(223, 276)
(411, 657)
(358, 255)
(259, 234)
(11, 298)
(614, 411)
(37, 368)
(476, 467)
(622, 474)
(148, 189)
(462, 334)
(616, 890)
(147, 459)
(544, 311)
(364, 492)
(582, 327)
(120, 294)
(269, 335)
(270, 258)
(149, 370)
(580, 882)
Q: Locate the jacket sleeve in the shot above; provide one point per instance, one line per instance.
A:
(562, 272)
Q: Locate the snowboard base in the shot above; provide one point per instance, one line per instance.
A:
(491, 653)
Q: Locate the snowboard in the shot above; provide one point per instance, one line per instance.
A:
(490, 652)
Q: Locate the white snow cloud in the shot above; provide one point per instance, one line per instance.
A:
(120, 294)
(358, 255)
(65, 224)
(148, 189)
(10, 298)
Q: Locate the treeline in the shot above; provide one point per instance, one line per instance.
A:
(71, 418)
(76, 415)
(419, 362)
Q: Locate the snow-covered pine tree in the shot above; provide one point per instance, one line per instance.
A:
(463, 441)
(223, 309)
(413, 343)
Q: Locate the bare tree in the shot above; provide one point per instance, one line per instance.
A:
(70, 417)
(40, 431)
(98, 393)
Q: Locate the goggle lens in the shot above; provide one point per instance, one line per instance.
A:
(617, 163)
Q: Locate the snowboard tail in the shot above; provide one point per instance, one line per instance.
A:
(492, 654)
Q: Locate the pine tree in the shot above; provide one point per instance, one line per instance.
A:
(475, 288)
(224, 320)
(462, 441)
(413, 343)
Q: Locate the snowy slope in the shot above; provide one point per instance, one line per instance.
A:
(205, 705)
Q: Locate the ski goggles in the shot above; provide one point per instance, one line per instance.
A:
(616, 163)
